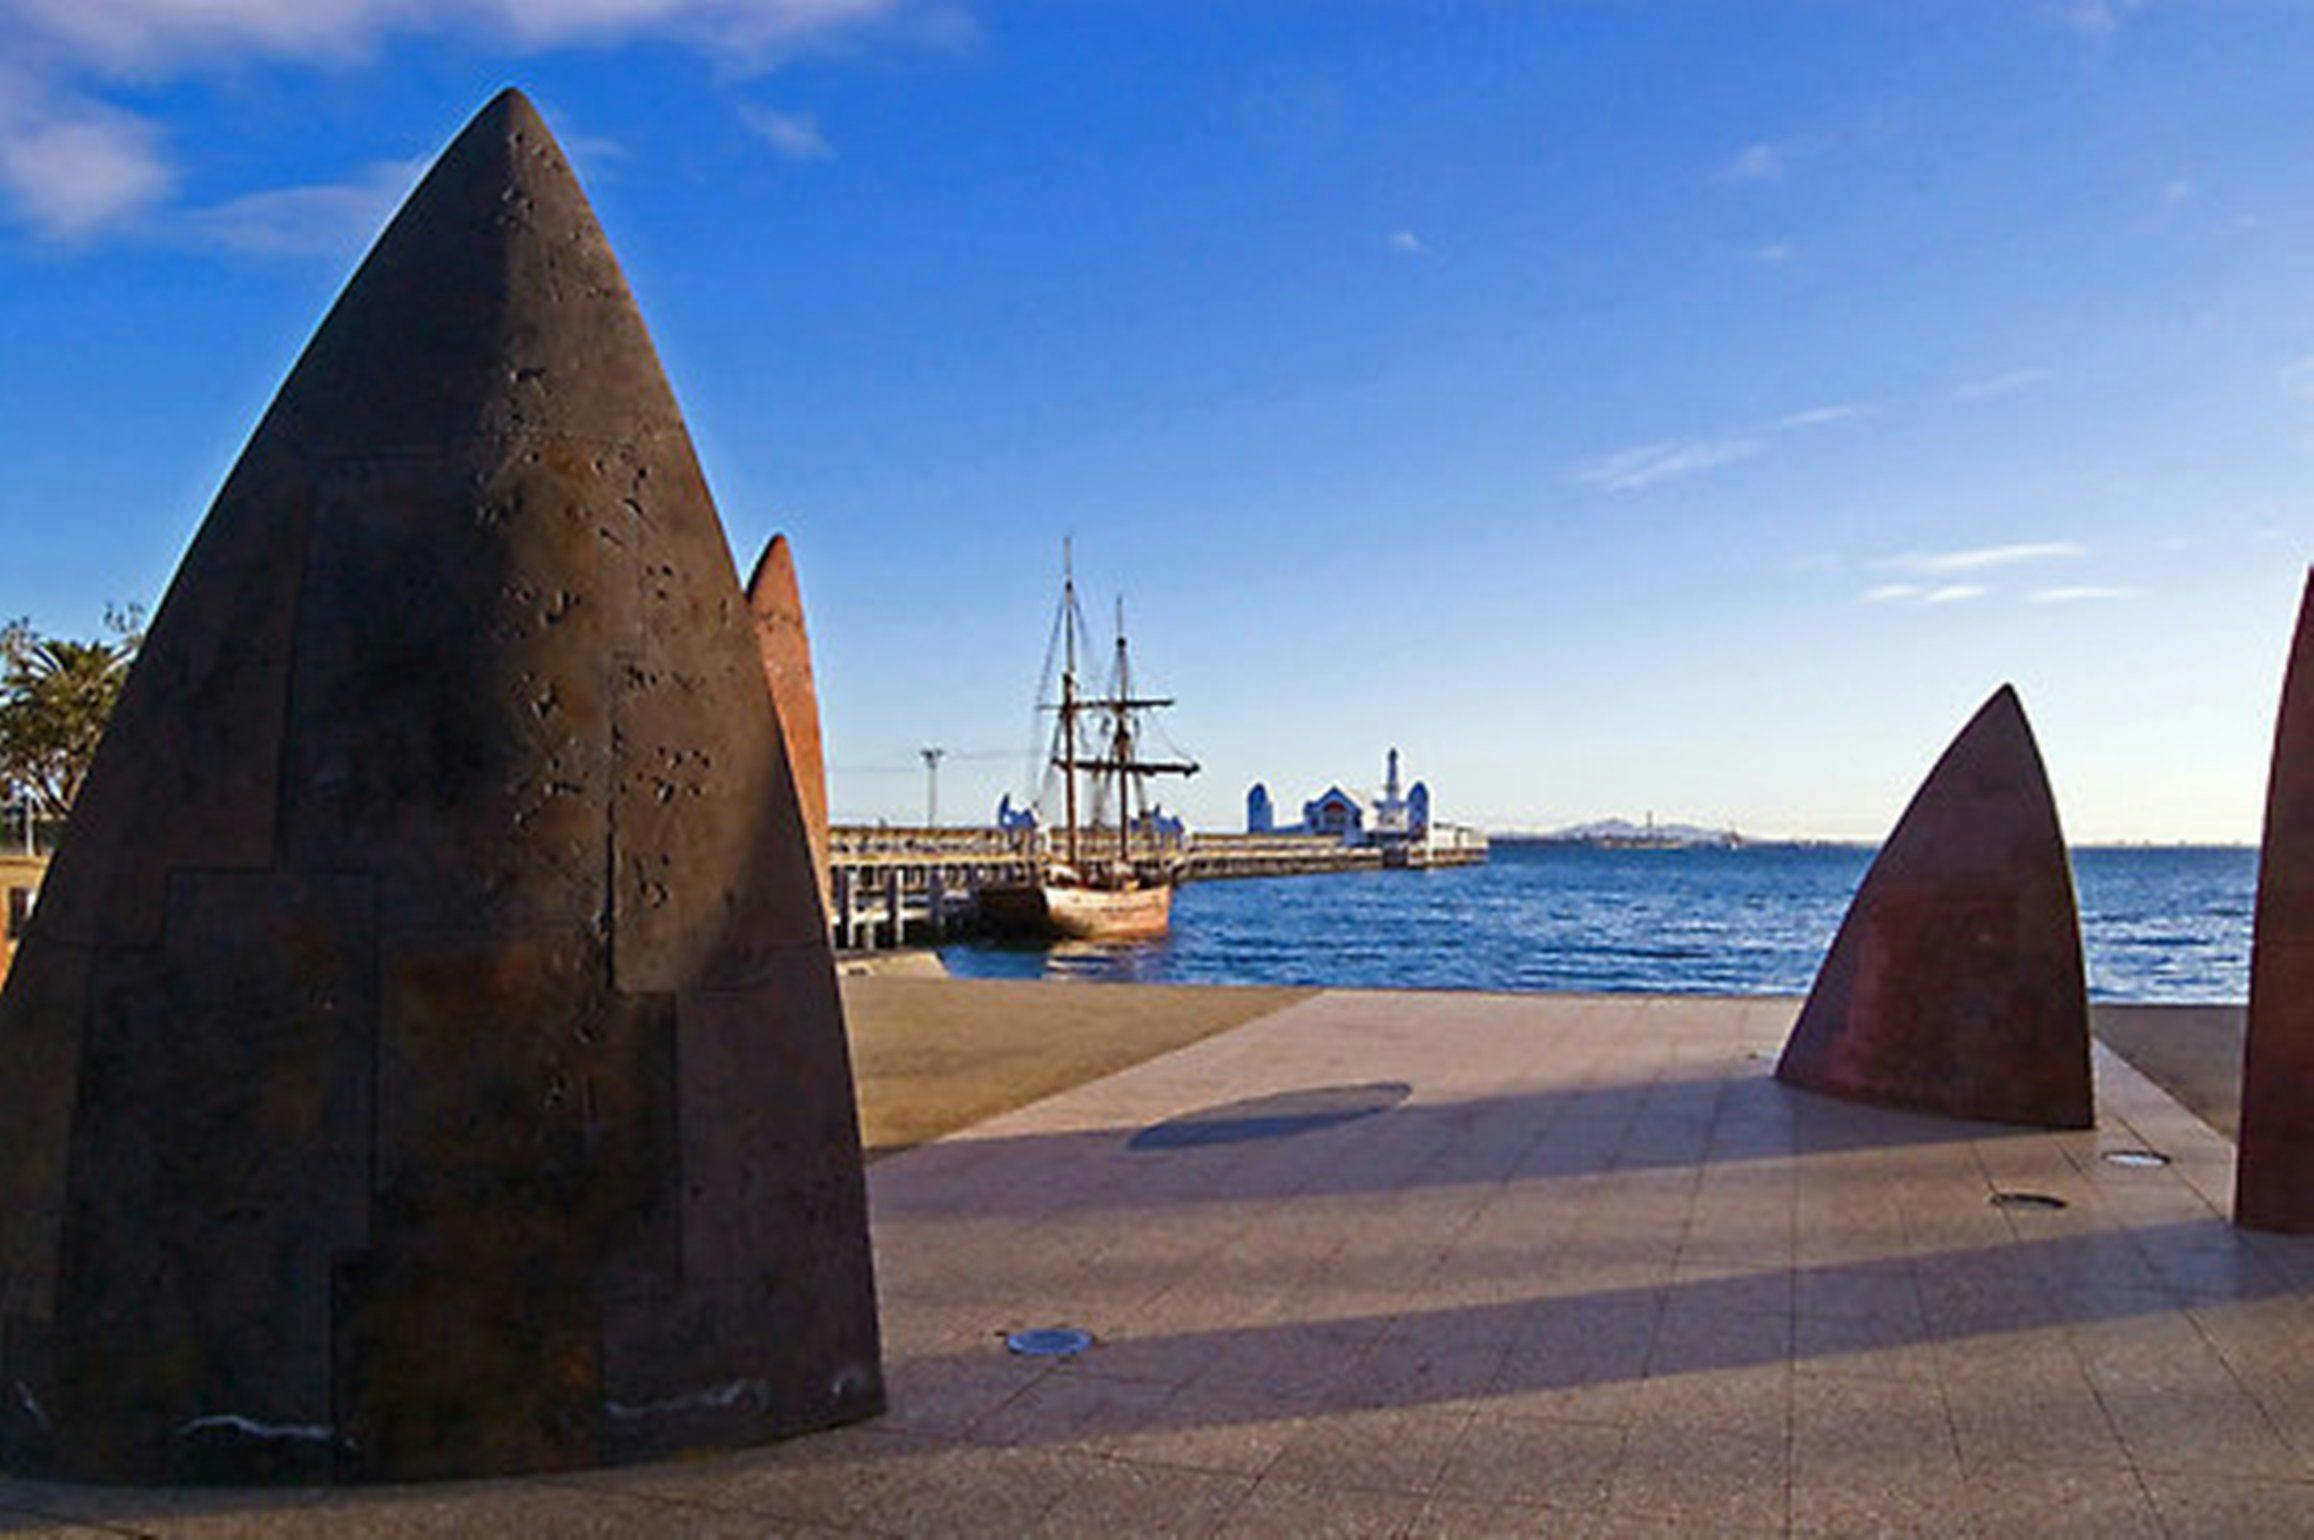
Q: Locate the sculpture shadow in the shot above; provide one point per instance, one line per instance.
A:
(1333, 1141)
(1278, 1116)
(1596, 1343)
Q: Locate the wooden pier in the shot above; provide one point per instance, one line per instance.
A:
(889, 886)
(892, 886)
(1213, 856)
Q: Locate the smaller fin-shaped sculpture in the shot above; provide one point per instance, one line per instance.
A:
(1955, 983)
(780, 635)
(2274, 1177)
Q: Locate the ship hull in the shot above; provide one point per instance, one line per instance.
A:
(1048, 910)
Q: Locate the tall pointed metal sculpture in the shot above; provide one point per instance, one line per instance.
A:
(1955, 984)
(426, 1059)
(2274, 1177)
(777, 605)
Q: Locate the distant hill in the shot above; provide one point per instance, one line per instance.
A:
(1622, 831)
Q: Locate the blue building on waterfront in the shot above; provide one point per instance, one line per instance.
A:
(1394, 815)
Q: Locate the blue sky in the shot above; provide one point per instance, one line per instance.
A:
(1695, 408)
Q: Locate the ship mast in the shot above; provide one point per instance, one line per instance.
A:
(1121, 742)
(1069, 692)
(1120, 706)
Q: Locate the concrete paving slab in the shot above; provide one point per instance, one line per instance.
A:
(1594, 1272)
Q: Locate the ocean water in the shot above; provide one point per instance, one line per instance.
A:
(2160, 924)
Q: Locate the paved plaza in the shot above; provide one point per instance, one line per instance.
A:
(1398, 1264)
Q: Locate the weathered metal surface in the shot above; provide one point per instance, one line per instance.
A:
(785, 644)
(209, 1161)
(1955, 984)
(426, 1053)
(2274, 1178)
(714, 877)
(704, 1361)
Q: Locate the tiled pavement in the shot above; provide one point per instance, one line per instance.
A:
(1590, 1271)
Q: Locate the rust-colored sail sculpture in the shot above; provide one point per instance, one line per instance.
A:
(2274, 1177)
(1955, 984)
(426, 1058)
(777, 604)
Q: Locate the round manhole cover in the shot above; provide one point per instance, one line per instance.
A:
(2034, 1200)
(2135, 1160)
(1049, 1341)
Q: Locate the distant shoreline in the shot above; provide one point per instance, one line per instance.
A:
(1748, 843)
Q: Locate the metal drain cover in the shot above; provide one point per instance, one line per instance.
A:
(1049, 1341)
(2037, 1200)
(2135, 1160)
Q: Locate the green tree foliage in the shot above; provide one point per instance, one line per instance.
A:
(55, 696)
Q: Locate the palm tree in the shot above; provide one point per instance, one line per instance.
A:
(55, 697)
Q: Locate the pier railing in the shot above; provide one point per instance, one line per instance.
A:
(888, 885)
(1213, 856)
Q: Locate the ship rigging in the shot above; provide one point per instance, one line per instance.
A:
(1079, 890)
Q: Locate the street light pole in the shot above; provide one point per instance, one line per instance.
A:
(932, 758)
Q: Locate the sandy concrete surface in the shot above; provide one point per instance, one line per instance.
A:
(916, 962)
(2194, 1052)
(932, 1055)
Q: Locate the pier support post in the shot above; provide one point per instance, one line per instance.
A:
(895, 887)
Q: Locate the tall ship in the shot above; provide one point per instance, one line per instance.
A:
(1107, 873)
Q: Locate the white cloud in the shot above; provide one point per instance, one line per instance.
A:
(325, 220)
(2298, 377)
(794, 135)
(2078, 593)
(1770, 160)
(1980, 558)
(74, 167)
(2177, 191)
(72, 163)
(1407, 243)
(1627, 470)
(2001, 384)
(1760, 162)
(1822, 416)
(587, 149)
(149, 37)
(2094, 18)
(155, 37)
(1774, 254)
(1915, 594)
